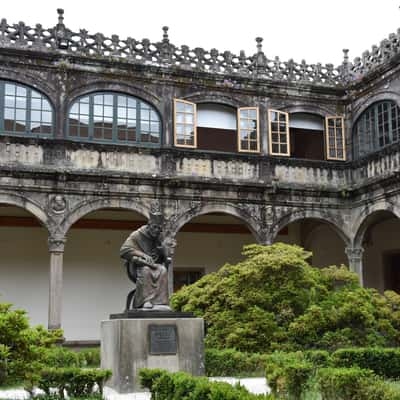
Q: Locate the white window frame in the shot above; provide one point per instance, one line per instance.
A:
(327, 143)
(239, 130)
(176, 144)
(270, 132)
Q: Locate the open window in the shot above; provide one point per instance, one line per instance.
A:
(279, 140)
(306, 136)
(248, 130)
(335, 139)
(185, 124)
(216, 127)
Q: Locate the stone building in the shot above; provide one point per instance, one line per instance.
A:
(232, 149)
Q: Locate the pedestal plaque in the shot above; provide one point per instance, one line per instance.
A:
(128, 345)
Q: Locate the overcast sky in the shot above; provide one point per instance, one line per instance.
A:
(314, 30)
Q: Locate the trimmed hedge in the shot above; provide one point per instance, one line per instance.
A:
(353, 383)
(384, 362)
(74, 382)
(4, 354)
(234, 363)
(177, 386)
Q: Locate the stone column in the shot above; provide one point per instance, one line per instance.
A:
(56, 250)
(355, 257)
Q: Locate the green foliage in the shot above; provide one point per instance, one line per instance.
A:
(60, 357)
(177, 386)
(384, 362)
(4, 356)
(25, 346)
(74, 382)
(234, 363)
(274, 300)
(288, 374)
(353, 383)
(90, 357)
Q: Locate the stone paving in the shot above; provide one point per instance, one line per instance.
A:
(253, 385)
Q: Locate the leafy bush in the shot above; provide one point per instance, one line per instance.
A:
(4, 355)
(177, 386)
(384, 362)
(274, 300)
(353, 383)
(25, 345)
(288, 374)
(233, 363)
(89, 357)
(61, 357)
(75, 382)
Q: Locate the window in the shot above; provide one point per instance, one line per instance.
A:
(217, 127)
(113, 117)
(279, 141)
(376, 128)
(248, 135)
(24, 111)
(185, 124)
(335, 139)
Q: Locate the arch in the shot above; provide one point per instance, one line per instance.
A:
(229, 209)
(377, 97)
(307, 214)
(28, 205)
(114, 117)
(306, 108)
(117, 87)
(32, 80)
(215, 97)
(363, 222)
(86, 207)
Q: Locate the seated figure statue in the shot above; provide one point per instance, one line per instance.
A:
(146, 259)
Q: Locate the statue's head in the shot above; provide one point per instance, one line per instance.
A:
(154, 226)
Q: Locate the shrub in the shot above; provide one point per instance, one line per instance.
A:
(274, 300)
(4, 355)
(233, 363)
(75, 382)
(90, 357)
(176, 386)
(384, 362)
(347, 384)
(25, 345)
(60, 357)
(288, 374)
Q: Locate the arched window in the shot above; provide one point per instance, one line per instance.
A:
(114, 118)
(24, 111)
(377, 127)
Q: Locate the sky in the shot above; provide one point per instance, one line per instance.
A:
(313, 30)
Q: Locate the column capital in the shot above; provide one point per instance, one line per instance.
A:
(354, 253)
(56, 243)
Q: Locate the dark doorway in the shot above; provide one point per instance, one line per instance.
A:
(392, 272)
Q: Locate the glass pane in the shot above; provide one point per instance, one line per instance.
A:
(108, 99)
(20, 126)
(122, 101)
(131, 113)
(189, 108)
(131, 102)
(284, 148)
(145, 126)
(121, 112)
(253, 135)
(189, 118)
(9, 113)
(20, 115)
(98, 99)
(253, 145)
(35, 115)
(273, 116)
(282, 117)
(36, 104)
(74, 108)
(179, 129)
(275, 137)
(84, 108)
(252, 114)
(10, 101)
(244, 113)
(244, 145)
(244, 135)
(21, 91)
(20, 102)
(84, 100)
(283, 138)
(108, 111)
(10, 89)
(83, 131)
(274, 126)
(98, 110)
(145, 114)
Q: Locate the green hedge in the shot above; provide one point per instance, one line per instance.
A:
(75, 382)
(90, 357)
(4, 355)
(353, 383)
(178, 386)
(384, 362)
(234, 363)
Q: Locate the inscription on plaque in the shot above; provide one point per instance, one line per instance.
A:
(163, 339)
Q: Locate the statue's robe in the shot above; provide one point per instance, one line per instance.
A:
(151, 283)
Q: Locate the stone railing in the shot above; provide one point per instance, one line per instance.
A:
(165, 54)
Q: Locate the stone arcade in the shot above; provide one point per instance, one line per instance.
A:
(232, 149)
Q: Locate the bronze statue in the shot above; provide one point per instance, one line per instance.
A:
(146, 258)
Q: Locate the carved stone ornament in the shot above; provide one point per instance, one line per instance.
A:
(58, 204)
(56, 244)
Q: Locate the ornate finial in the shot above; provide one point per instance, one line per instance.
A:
(259, 44)
(165, 34)
(345, 56)
(60, 13)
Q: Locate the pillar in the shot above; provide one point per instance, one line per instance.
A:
(56, 250)
(355, 257)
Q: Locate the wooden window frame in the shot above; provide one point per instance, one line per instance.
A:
(240, 150)
(176, 144)
(327, 119)
(271, 152)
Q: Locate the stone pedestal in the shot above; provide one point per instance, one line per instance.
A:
(147, 341)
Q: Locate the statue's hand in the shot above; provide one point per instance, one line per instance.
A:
(149, 260)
